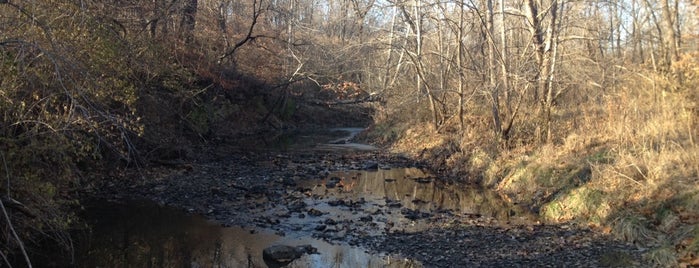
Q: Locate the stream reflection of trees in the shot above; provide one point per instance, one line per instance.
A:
(151, 236)
(418, 190)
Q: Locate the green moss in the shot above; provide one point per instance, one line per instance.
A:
(579, 203)
(552, 211)
(544, 176)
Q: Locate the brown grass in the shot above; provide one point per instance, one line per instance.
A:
(627, 159)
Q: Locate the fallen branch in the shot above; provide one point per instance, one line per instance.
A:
(373, 98)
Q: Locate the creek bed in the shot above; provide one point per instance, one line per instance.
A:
(358, 208)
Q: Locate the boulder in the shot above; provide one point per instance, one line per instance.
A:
(371, 165)
(284, 254)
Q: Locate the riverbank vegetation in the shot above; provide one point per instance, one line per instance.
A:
(581, 111)
(626, 165)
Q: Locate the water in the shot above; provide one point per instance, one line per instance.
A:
(299, 140)
(345, 142)
(377, 202)
(353, 205)
(142, 234)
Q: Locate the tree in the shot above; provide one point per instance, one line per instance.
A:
(545, 44)
(670, 36)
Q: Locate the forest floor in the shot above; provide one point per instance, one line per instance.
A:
(300, 191)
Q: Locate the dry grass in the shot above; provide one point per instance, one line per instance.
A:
(626, 159)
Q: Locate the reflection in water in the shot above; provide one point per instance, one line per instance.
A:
(393, 191)
(146, 235)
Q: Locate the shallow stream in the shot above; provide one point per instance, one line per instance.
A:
(336, 214)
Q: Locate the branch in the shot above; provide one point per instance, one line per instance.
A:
(256, 12)
(14, 233)
(370, 98)
(14, 204)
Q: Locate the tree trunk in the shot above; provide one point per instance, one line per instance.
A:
(545, 43)
(492, 70)
(189, 13)
(459, 63)
(503, 61)
(670, 53)
(223, 21)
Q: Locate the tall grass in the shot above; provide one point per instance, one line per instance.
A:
(625, 158)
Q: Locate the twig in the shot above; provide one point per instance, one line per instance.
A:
(7, 172)
(14, 233)
(256, 12)
(639, 171)
(626, 176)
(4, 258)
(9, 223)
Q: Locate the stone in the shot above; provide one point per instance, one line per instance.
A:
(314, 212)
(371, 165)
(296, 206)
(284, 254)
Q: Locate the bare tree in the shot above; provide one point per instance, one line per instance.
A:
(544, 42)
(189, 20)
(257, 10)
(669, 33)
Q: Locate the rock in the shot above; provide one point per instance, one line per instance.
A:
(338, 202)
(393, 203)
(296, 206)
(418, 201)
(216, 191)
(283, 214)
(314, 212)
(366, 218)
(423, 180)
(290, 182)
(284, 254)
(414, 214)
(371, 165)
(340, 235)
(332, 182)
(271, 221)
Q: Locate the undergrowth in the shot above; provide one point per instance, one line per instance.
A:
(625, 162)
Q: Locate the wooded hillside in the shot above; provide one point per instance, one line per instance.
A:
(583, 110)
